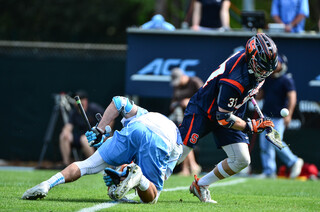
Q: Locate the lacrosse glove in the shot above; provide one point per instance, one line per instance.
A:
(96, 137)
(257, 125)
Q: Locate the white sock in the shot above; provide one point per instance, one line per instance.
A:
(144, 183)
(56, 180)
(222, 171)
(208, 179)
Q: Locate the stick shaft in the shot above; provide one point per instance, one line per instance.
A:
(256, 107)
(83, 113)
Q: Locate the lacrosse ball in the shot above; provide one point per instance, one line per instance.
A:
(284, 112)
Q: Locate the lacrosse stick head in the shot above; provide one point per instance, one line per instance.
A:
(274, 137)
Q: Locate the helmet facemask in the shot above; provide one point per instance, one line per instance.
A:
(259, 73)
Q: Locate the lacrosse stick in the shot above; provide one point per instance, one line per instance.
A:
(272, 135)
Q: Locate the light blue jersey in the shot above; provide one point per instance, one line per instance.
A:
(151, 140)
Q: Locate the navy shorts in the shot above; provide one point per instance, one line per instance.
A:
(196, 126)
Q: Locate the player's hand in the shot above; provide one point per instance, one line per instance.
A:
(107, 180)
(96, 137)
(258, 125)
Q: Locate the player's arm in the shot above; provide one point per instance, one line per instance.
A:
(119, 105)
(229, 120)
(227, 100)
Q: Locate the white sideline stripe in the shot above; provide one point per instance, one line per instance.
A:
(105, 205)
(16, 168)
(131, 196)
(233, 182)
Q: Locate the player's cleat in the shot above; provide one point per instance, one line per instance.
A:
(296, 168)
(39, 191)
(202, 192)
(131, 181)
(111, 190)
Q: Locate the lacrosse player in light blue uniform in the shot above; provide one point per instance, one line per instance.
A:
(149, 139)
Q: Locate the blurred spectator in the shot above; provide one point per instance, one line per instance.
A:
(183, 89)
(278, 92)
(72, 134)
(292, 13)
(158, 22)
(211, 14)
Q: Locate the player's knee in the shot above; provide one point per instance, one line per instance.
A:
(243, 162)
(239, 162)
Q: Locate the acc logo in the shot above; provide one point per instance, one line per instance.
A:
(194, 138)
(162, 67)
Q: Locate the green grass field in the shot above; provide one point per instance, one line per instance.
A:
(90, 193)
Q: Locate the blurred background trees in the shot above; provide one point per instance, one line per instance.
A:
(103, 21)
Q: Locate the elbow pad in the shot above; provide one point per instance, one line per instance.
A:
(123, 104)
(226, 120)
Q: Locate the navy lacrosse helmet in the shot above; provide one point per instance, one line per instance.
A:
(262, 55)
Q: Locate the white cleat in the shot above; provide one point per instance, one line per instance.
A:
(296, 168)
(131, 181)
(201, 192)
(39, 191)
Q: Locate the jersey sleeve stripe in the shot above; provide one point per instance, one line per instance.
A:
(236, 62)
(208, 111)
(235, 83)
(185, 141)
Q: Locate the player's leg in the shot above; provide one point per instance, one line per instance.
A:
(157, 166)
(147, 191)
(87, 150)
(150, 195)
(238, 159)
(193, 127)
(125, 178)
(152, 159)
(122, 150)
(74, 171)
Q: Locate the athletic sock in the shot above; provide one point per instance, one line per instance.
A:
(144, 183)
(56, 180)
(208, 179)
